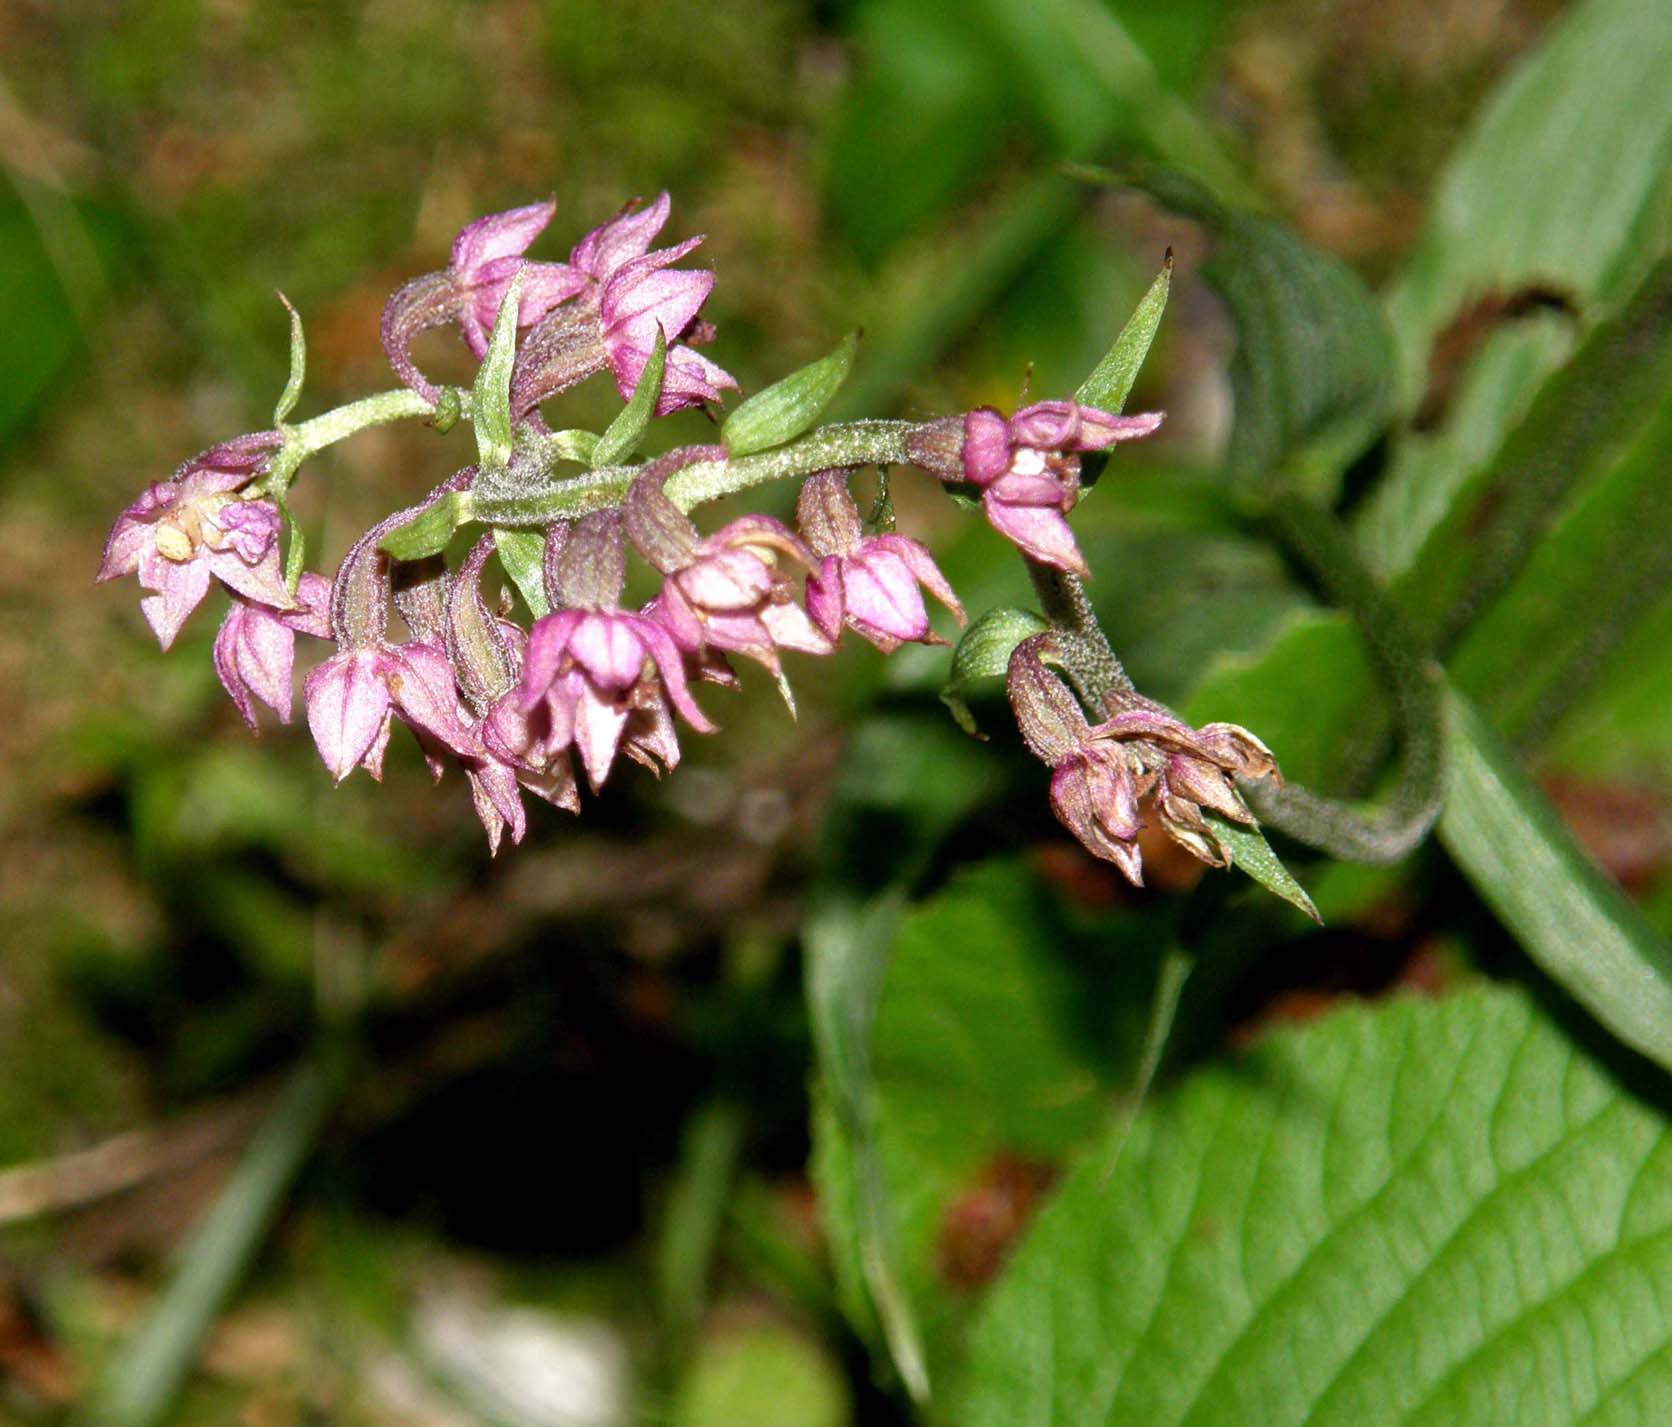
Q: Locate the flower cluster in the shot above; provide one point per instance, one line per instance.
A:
(1100, 773)
(538, 705)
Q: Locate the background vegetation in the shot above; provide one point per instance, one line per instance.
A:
(550, 1139)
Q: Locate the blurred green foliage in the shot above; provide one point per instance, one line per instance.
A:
(579, 1084)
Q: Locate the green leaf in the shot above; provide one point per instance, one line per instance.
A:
(1111, 380)
(428, 532)
(298, 366)
(760, 1372)
(490, 397)
(1527, 199)
(522, 554)
(1416, 1214)
(1311, 377)
(1584, 418)
(1302, 692)
(995, 1061)
(1596, 564)
(621, 438)
(983, 652)
(1251, 852)
(1574, 922)
(789, 407)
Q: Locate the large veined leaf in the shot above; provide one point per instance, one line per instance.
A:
(1415, 1213)
(1565, 181)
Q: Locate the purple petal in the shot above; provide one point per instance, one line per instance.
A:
(1099, 429)
(262, 582)
(825, 598)
(598, 725)
(922, 564)
(883, 600)
(790, 628)
(689, 379)
(670, 664)
(498, 235)
(725, 581)
(180, 585)
(254, 655)
(312, 614)
(626, 236)
(421, 687)
(645, 295)
(607, 646)
(986, 445)
(135, 529)
(1039, 531)
(493, 791)
(348, 711)
(548, 642)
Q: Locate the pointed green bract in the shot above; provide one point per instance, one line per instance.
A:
(490, 398)
(428, 532)
(573, 445)
(983, 652)
(623, 435)
(298, 366)
(1111, 380)
(522, 555)
(1251, 852)
(789, 407)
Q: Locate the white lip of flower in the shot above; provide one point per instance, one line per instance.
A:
(1027, 462)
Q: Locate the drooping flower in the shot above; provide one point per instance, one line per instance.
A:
(486, 653)
(869, 582)
(1100, 773)
(1026, 466)
(191, 527)
(255, 650)
(727, 591)
(486, 255)
(353, 696)
(599, 671)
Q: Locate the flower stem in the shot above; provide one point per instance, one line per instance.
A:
(312, 436)
(1087, 655)
(854, 443)
(1415, 685)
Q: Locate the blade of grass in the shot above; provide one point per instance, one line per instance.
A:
(147, 1375)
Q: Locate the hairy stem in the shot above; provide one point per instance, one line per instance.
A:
(1413, 681)
(1088, 657)
(312, 436)
(854, 443)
